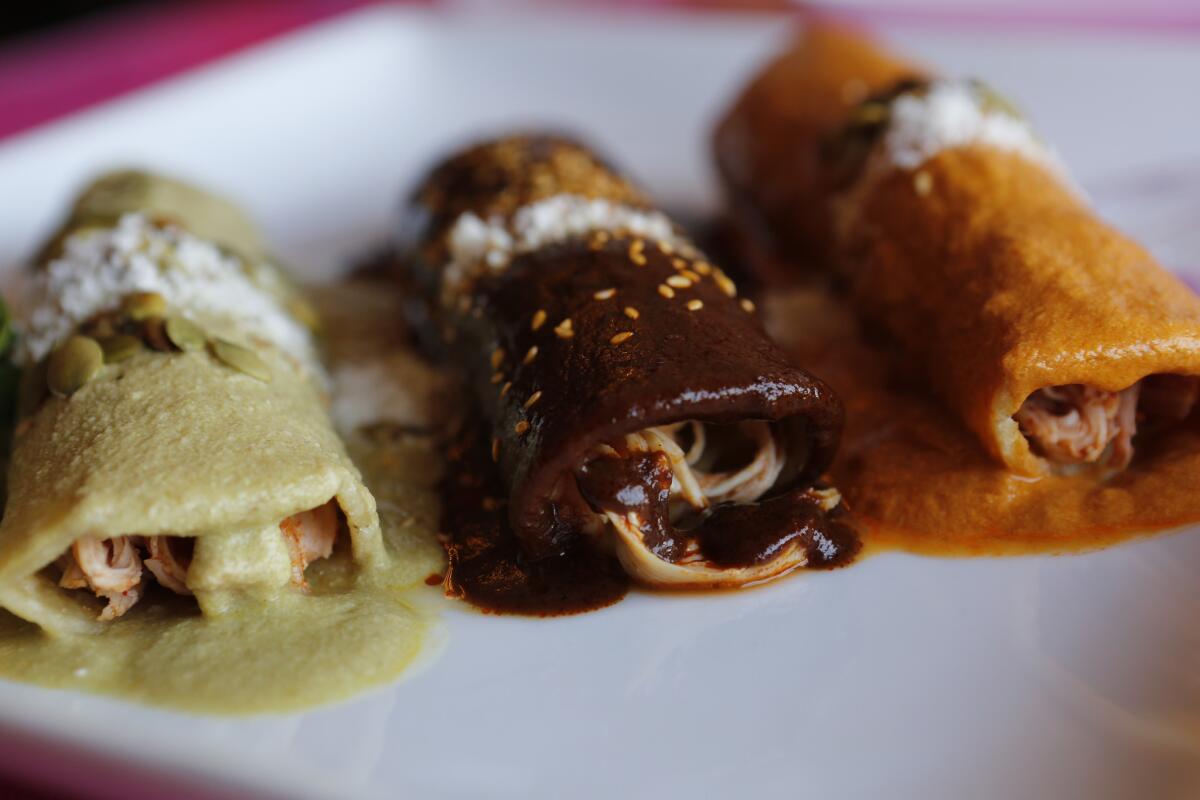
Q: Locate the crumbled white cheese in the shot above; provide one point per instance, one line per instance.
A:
(99, 267)
(950, 114)
(494, 242)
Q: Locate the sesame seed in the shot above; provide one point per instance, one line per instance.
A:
(620, 337)
(666, 291)
(923, 183)
(631, 312)
(521, 427)
(539, 319)
(727, 286)
(563, 330)
(703, 267)
(695, 305)
(532, 401)
(505, 388)
(635, 252)
(497, 358)
(497, 377)
(691, 276)
(604, 294)
(747, 305)
(665, 247)
(678, 281)
(679, 263)
(531, 355)
(496, 449)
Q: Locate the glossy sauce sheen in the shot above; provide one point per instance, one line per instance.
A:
(728, 535)
(639, 483)
(916, 480)
(753, 533)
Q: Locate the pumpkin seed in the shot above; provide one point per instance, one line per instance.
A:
(119, 347)
(142, 305)
(72, 364)
(241, 358)
(185, 334)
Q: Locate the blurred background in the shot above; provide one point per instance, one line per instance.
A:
(60, 55)
(19, 18)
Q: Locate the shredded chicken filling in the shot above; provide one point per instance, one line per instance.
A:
(697, 483)
(695, 487)
(115, 569)
(1077, 424)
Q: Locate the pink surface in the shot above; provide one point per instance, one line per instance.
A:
(88, 62)
(95, 59)
(60, 771)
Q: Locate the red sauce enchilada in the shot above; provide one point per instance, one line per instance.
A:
(1018, 375)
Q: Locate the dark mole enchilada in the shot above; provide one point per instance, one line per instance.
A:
(631, 403)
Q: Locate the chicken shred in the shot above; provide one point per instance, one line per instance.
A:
(698, 488)
(1077, 424)
(309, 535)
(168, 567)
(113, 568)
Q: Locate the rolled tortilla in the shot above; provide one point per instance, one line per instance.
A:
(957, 235)
(105, 200)
(631, 397)
(198, 456)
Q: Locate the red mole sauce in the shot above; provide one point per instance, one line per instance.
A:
(917, 481)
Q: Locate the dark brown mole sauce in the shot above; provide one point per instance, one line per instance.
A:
(729, 535)
(638, 482)
(486, 565)
(739, 535)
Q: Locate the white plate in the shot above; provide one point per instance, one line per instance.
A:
(901, 676)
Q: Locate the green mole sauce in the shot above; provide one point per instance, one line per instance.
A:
(291, 651)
